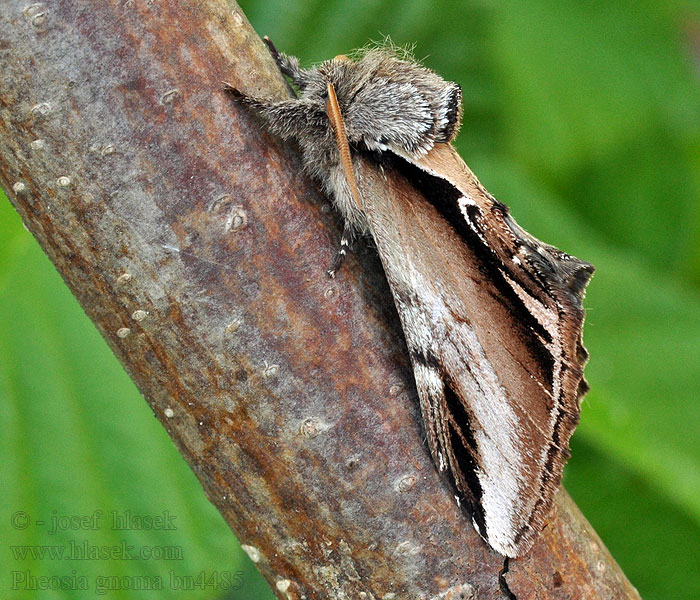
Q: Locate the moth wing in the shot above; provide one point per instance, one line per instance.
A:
(493, 320)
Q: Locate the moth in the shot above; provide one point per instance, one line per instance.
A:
(492, 316)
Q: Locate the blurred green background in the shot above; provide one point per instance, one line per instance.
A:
(584, 117)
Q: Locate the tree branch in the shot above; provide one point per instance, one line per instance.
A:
(198, 248)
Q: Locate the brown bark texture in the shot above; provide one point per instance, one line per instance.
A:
(199, 249)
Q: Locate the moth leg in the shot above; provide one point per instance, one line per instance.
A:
(289, 65)
(339, 258)
(286, 119)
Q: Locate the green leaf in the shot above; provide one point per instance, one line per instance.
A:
(635, 520)
(602, 101)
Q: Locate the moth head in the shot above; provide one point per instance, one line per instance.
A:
(390, 103)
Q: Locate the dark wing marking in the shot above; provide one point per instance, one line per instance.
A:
(493, 321)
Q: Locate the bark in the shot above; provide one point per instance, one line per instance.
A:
(198, 248)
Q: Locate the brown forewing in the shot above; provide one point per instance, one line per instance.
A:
(522, 301)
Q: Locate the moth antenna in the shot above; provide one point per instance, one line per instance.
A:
(341, 140)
